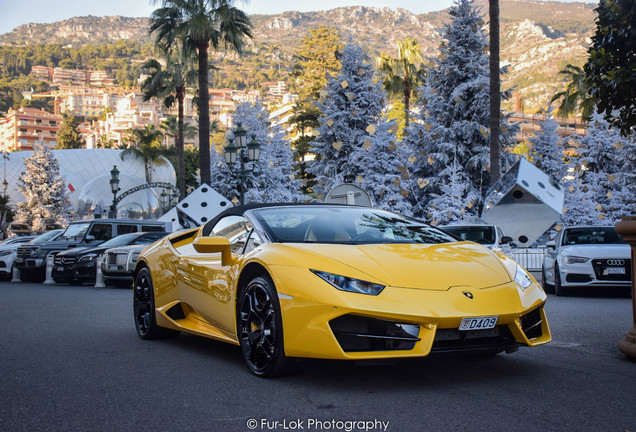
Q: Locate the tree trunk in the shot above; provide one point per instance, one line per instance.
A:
(495, 92)
(180, 145)
(204, 115)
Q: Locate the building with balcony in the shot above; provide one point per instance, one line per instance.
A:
(22, 129)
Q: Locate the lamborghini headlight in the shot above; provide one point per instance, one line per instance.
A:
(344, 283)
(571, 259)
(522, 278)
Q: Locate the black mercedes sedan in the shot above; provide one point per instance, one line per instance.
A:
(78, 265)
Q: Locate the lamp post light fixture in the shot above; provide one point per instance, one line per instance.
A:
(164, 201)
(174, 198)
(239, 148)
(114, 187)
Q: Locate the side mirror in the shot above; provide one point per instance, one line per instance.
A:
(215, 245)
(505, 240)
(90, 238)
(551, 244)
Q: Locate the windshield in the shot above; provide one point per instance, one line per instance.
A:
(592, 235)
(75, 231)
(345, 225)
(51, 235)
(122, 240)
(478, 234)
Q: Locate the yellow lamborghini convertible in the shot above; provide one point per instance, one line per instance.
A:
(334, 282)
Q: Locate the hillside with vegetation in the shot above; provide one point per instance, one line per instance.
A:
(538, 40)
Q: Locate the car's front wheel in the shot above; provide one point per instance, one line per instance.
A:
(558, 288)
(546, 286)
(260, 329)
(144, 308)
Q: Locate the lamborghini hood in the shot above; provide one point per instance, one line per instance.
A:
(417, 266)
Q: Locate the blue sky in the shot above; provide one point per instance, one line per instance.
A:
(15, 13)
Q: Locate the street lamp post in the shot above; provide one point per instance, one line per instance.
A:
(245, 152)
(5, 185)
(114, 187)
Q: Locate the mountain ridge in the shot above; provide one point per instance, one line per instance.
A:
(538, 38)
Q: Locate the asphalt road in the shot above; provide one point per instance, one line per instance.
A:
(70, 360)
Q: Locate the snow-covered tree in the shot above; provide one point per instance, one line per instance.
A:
(456, 198)
(453, 119)
(272, 176)
(351, 105)
(385, 174)
(46, 199)
(602, 189)
(546, 148)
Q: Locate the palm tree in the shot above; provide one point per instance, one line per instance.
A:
(576, 95)
(495, 92)
(147, 147)
(197, 24)
(402, 76)
(170, 127)
(170, 85)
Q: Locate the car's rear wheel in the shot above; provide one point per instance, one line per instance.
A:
(558, 288)
(260, 329)
(144, 308)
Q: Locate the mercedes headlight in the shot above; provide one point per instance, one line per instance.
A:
(5, 253)
(344, 283)
(571, 259)
(88, 258)
(522, 278)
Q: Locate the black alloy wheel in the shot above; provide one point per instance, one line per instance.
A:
(260, 329)
(558, 288)
(144, 308)
(546, 286)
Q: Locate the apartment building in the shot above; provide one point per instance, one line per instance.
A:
(72, 76)
(22, 129)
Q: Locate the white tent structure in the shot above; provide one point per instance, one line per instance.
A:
(87, 175)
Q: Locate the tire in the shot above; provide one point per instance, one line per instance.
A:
(546, 286)
(260, 329)
(144, 308)
(559, 290)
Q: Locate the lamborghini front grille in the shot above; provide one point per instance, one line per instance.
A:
(356, 334)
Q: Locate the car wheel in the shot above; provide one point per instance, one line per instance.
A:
(558, 288)
(546, 286)
(144, 308)
(260, 329)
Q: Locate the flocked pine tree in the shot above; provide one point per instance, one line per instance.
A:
(44, 190)
(455, 199)
(351, 106)
(453, 117)
(272, 176)
(546, 149)
(602, 190)
(384, 168)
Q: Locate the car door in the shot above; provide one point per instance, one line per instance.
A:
(205, 284)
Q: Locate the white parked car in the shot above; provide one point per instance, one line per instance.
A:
(586, 256)
(9, 248)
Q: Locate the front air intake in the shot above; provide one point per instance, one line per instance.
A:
(355, 334)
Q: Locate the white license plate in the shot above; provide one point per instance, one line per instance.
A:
(480, 323)
(616, 270)
(60, 269)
